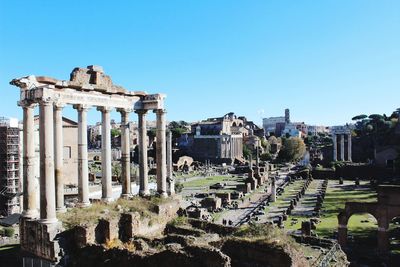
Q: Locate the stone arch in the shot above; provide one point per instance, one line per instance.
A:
(234, 124)
(374, 209)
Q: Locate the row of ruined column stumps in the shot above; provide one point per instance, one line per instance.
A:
(51, 157)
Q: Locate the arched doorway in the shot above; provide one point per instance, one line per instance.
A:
(358, 235)
(362, 229)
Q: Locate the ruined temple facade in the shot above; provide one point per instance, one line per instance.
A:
(87, 88)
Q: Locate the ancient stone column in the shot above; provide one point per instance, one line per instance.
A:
(143, 161)
(342, 147)
(161, 152)
(58, 154)
(273, 190)
(125, 151)
(169, 164)
(83, 167)
(29, 199)
(349, 148)
(106, 176)
(334, 138)
(47, 181)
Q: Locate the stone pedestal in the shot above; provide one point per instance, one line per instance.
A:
(39, 239)
(252, 180)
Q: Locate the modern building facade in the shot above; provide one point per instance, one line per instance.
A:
(10, 183)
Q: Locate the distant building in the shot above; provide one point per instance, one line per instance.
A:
(291, 131)
(273, 125)
(218, 139)
(317, 129)
(10, 183)
(70, 153)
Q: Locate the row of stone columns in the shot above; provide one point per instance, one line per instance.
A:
(342, 147)
(161, 154)
(51, 157)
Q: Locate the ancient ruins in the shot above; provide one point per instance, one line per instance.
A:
(341, 133)
(87, 88)
(387, 208)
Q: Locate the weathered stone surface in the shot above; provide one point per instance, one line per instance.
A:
(261, 254)
(39, 239)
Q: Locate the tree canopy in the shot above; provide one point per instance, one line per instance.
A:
(293, 149)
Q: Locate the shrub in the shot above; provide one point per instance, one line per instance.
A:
(178, 187)
(9, 231)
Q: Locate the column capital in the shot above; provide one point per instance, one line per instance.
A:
(81, 107)
(26, 104)
(124, 110)
(141, 111)
(105, 109)
(160, 111)
(45, 101)
(58, 106)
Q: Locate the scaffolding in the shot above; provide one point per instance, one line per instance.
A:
(9, 168)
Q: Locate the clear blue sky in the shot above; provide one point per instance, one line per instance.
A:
(325, 60)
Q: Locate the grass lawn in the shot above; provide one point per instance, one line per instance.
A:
(335, 199)
(283, 201)
(207, 181)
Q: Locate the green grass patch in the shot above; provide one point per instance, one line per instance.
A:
(207, 181)
(92, 214)
(335, 200)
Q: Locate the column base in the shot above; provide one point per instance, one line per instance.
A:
(144, 193)
(126, 196)
(107, 199)
(163, 194)
(61, 209)
(48, 221)
(31, 214)
(83, 204)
